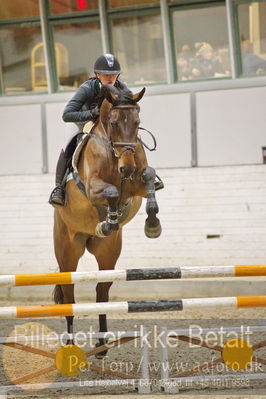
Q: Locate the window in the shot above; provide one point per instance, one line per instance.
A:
(17, 40)
(10, 9)
(16, 46)
(77, 45)
(252, 31)
(72, 6)
(138, 44)
(130, 3)
(201, 42)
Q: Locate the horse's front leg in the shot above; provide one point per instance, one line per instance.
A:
(99, 193)
(152, 224)
(110, 224)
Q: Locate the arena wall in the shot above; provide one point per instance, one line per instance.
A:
(202, 128)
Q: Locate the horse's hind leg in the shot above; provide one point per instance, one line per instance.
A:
(106, 252)
(68, 252)
(152, 224)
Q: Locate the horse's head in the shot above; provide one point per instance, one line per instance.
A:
(122, 126)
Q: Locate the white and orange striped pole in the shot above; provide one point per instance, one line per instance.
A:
(85, 309)
(182, 272)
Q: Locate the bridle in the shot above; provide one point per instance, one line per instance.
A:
(127, 146)
(110, 145)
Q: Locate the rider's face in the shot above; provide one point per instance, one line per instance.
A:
(107, 79)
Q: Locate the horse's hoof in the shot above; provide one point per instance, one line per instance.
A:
(153, 232)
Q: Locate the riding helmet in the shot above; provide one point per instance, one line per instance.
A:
(107, 64)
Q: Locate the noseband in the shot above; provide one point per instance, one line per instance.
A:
(127, 146)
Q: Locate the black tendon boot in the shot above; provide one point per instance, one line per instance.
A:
(57, 197)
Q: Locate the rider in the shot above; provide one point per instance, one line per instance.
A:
(83, 107)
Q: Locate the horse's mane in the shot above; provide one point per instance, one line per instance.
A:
(122, 97)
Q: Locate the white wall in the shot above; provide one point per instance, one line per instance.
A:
(231, 126)
(21, 140)
(167, 116)
(56, 132)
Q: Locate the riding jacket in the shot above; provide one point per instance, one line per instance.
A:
(85, 99)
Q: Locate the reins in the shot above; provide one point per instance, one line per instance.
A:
(153, 138)
(111, 146)
(128, 146)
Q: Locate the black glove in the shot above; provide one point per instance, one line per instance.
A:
(95, 112)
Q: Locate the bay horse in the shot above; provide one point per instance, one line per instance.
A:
(114, 171)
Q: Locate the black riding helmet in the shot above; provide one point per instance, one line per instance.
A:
(107, 64)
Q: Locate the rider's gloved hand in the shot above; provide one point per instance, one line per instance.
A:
(95, 112)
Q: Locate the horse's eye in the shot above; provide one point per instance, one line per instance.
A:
(113, 123)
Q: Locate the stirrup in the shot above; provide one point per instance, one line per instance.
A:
(158, 184)
(57, 198)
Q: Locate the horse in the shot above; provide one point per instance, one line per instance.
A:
(113, 169)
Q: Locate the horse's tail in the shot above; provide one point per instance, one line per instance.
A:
(58, 294)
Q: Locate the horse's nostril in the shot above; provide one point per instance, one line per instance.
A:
(122, 170)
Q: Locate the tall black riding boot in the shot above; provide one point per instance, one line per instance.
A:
(57, 197)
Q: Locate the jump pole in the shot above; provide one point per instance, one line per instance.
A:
(182, 272)
(84, 309)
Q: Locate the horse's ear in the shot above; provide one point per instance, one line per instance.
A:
(138, 96)
(110, 95)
